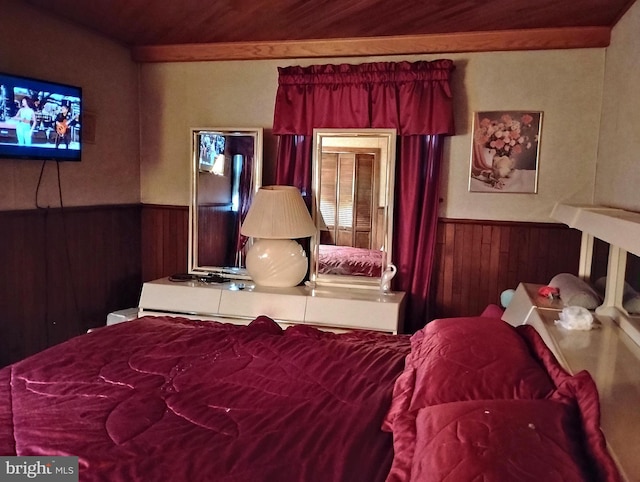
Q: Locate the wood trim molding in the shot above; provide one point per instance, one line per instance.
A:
(164, 206)
(68, 209)
(502, 40)
(493, 222)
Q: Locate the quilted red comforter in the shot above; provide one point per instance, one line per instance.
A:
(164, 399)
(171, 399)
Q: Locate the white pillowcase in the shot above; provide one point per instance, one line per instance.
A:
(575, 292)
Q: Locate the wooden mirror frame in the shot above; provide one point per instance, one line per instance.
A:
(218, 223)
(357, 140)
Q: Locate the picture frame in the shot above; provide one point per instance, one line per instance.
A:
(505, 151)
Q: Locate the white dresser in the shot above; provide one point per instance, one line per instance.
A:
(335, 309)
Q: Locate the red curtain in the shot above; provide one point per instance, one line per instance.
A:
(417, 198)
(412, 97)
(294, 161)
(415, 98)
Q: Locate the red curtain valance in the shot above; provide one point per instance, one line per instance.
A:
(412, 97)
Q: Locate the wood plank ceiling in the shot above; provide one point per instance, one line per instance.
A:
(190, 30)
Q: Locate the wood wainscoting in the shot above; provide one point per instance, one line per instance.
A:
(165, 238)
(63, 271)
(476, 260)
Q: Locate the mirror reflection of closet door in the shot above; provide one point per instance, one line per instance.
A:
(353, 184)
(348, 193)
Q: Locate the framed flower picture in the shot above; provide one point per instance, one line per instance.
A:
(504, 151)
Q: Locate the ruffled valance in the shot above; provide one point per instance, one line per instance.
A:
(412, 97)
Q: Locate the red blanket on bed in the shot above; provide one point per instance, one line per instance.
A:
(166, 399)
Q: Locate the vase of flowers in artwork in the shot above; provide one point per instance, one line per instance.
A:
(497, 143)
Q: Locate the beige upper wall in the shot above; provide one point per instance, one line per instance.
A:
(34, 44)
(565, 84)
(618, 166)
(177, 97)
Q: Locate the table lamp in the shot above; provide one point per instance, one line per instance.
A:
(277, 216)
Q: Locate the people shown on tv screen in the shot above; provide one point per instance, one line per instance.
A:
(212, 153)
(26, 121)
(63, 122)
(4, 108)
(38, 119)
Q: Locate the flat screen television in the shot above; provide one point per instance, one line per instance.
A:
(212, 146)
(39, 119)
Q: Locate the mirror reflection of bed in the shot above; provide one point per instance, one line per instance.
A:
(349, 261)
(351, 228)
(352, 204)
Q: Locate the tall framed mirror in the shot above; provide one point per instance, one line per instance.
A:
(226, 172)
(353, 189)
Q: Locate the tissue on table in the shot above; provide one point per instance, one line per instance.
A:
(575, 318)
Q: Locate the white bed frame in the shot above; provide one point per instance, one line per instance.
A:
(619, 228)
(611, 353)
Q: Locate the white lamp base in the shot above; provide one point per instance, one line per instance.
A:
(277, 262)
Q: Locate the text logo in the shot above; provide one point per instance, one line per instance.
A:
(51, 469)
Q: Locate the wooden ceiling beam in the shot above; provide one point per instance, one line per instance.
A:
(502, 40)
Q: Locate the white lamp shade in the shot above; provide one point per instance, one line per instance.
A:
(278, 212)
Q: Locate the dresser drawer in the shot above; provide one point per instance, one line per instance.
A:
(251, 304)
(180, 298)
(379, 313)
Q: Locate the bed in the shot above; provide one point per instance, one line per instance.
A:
(462, 399)
(346, 260)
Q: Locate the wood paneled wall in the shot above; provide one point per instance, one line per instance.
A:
(217, 226)
(63, 271)
(477, 260)
(165, 238)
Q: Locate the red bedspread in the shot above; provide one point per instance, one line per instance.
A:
(345, 260)
(168, 399)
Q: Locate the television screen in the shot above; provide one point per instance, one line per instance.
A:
(212, 146)
(39, 119)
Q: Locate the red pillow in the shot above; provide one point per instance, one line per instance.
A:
(499, 440)
(426, 438)
(458, 359)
